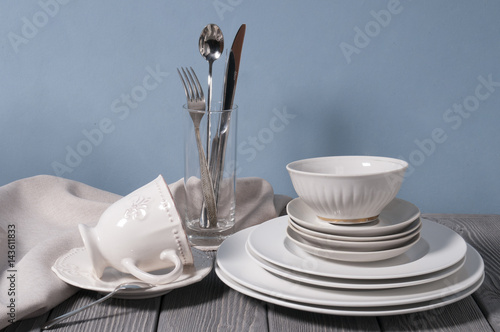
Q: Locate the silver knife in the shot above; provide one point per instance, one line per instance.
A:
(230, 80)
(232, 69)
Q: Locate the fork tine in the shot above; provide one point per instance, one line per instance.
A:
(200, 89)
(190, 87)
(196, 94)
(183, 83)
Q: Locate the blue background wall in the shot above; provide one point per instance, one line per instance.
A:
(418, 80)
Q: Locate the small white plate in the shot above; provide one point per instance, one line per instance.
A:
(234, 261)
(75, 268)
(396, 216)
(438, 248)
(352, 245)
(346, 311)
(347, 255)
(354, 283)
(416, 224)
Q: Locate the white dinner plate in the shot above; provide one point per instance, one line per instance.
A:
(396, 216)
(354, 283)
(438, 248)
(346, 311)
(75, 268)
(233, 260)
(351, 245)
(415, 226)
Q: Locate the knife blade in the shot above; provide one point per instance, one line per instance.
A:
(232, 69)
(229, 82)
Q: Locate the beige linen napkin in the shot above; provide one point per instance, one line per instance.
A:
(41, 215)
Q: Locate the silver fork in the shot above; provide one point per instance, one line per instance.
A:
(196, 101)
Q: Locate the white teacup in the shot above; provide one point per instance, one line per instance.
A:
(140, 233)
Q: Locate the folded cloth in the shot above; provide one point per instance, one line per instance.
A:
(38, 223)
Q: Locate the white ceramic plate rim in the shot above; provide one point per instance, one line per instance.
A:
(354, 283)
(268, 242)
(396, 216)
(350, 245)
(413, 227)
(344, 311)
(74, 268)
(234, 261)
(351, 256)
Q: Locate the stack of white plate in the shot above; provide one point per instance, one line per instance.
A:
(394, 232)
(294, 263)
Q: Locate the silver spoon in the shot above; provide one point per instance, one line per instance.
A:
(211, 45)
(125, 286)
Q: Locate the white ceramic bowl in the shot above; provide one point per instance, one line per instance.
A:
(347, 189)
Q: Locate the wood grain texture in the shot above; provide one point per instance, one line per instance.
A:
(464, 315)
(212, 306)
(483, 233)
(111, 315)
(285, 319)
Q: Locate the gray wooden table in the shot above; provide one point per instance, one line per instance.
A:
(212, 306)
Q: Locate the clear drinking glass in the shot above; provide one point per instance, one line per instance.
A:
(222, 169)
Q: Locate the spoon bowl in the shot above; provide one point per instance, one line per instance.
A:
(211, 42)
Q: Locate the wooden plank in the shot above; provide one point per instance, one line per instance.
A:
(111, 315)
(286, 319)
(483, 233)
(211, 306)
(464, 315)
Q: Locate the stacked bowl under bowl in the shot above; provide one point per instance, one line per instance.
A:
(349, 247)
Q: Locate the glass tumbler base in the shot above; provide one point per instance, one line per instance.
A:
(208, 238)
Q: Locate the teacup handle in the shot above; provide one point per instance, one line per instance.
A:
(155, 279)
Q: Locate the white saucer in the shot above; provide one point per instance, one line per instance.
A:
(75, 268)
(396, 216)
(346, 311)
(438, 248)
(352, 245)
(349, 255)
(354, 283)
(413, 227)
(236, 264)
